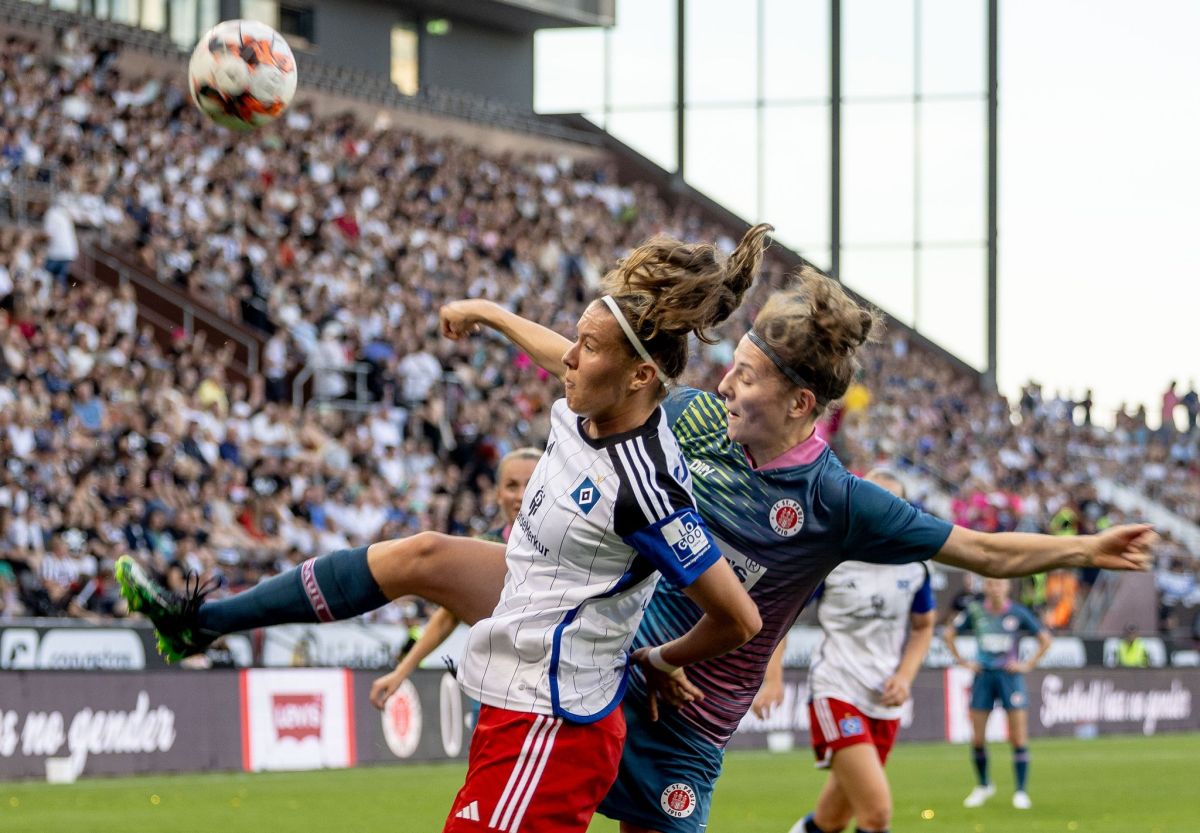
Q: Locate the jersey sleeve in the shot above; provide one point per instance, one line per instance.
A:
(924, 602)
(677, 402)
(655, 513)
(884, 529)
(1029, 620)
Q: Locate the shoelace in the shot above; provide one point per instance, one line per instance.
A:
(195, 590)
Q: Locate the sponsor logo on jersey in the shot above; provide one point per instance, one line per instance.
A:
(1010, 623)
(297, 716)
(786, 517)
(536, 503)
(686, 538)
(850, 726)
(701, 469)
(402, 720)
(586, 495)
(903, 584)
(678, 801)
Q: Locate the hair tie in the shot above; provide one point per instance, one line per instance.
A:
(638, 347)
(794, 377)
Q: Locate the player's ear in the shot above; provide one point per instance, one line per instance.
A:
(801, 403)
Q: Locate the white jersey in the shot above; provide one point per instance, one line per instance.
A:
(864, 611)
(601, 519)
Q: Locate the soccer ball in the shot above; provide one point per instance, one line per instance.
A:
(242, 74)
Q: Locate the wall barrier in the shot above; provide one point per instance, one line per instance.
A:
(119, 723)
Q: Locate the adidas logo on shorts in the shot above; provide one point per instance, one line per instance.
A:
(470, 812)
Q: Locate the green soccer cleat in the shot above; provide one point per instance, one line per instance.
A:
(173, 614)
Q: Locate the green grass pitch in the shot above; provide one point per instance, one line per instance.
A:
(1108, 785)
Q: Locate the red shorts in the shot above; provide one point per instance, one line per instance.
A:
(529, 773)
(836, 724)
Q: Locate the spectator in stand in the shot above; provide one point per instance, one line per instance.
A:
(1170, 401)
(62, 246)
(1131, 651)
(1191, 404)
(1062, 590)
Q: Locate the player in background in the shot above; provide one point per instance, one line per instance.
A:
(785, 512)
(512, 475)
(997, 624)
(860, 678)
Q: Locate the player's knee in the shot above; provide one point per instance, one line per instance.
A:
(403, 562)
(875, 816)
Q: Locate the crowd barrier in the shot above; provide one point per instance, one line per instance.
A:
(67, 644)
(117, 723)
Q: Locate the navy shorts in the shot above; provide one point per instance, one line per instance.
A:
(666, 778)
(996, 684)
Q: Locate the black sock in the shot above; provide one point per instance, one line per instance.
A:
(1021, 766)
(979, 758)
(810, 826)
(335, 586)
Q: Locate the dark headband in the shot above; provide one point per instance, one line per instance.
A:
(794, 377)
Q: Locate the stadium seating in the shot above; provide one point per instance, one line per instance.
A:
(339, 241)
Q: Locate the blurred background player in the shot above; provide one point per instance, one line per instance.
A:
(998, 624)
(512, 476)
(861, 676)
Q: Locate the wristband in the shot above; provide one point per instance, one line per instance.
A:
(655, 658)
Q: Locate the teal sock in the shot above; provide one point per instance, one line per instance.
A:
(1021, 766)
(334, 586)
(979, 758)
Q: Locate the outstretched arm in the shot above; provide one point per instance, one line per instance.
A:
(437, 629)
(1012, 554)
(546, 347)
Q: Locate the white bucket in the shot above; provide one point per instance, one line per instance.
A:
(60, 771)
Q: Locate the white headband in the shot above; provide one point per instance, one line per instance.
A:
(638, 347)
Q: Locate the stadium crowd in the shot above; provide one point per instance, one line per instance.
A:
(341, 240)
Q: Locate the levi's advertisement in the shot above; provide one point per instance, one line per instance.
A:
(297, 719)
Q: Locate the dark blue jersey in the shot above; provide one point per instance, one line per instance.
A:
(783, 529)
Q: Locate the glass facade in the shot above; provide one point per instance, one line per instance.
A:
(757, 114)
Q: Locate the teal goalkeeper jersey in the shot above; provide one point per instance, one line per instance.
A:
(997, 633)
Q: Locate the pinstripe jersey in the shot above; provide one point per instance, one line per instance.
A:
(783, 530)
(864, 615)
(600, 520)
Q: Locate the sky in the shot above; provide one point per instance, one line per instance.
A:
(1099, 225)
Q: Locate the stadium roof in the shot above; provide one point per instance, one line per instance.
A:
(522, 15)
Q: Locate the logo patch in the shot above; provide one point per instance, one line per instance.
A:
(402, 720)
(686, 539)
(678, 801)
(850, 726)
(586, 495)
(786, 517)
(1017, 700)
(1010, 623)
